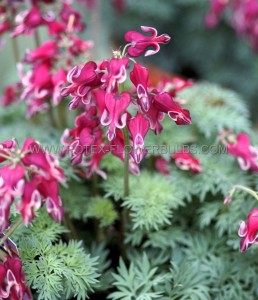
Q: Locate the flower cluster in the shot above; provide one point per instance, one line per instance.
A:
(244, 17)
(115, 118)
(30, 176)
(240, 147)
(12, 279)
(50, 61)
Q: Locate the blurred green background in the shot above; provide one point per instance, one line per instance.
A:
(217, 55)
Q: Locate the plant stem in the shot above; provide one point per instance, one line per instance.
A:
(52, 116)
(245, 189)
(62, 117)
(124, 213)
(15, 50)
(37, 38)
(69, 224)
(126, 162)
(10, 231)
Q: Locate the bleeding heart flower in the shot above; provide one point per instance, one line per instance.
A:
(12, 279)
(45, 53)
(161, 164)
(30, 201)
(7, 145)
(154, 116)
(114, 115)
(29, 20)
(78, 46)
(79, 139)
(116, 73)
(241, 148)
(166, 104)
(42, 160)
(67, 11)
(139, 42)
(139, 77)
(56, 28)
(82, 81)
(248, 230)
(11, 186)
(50, 192)
(11, 94)
(185, 161)
(138, 127)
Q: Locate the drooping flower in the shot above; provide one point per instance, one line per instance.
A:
(174, 85)
(185, 161)
(166, 104)
(79, 139)
(161, 164)
(37, 85)
(50, 193)
(56, 28)
(138, 127)
(5, 24)
(67, 11)
(139, 77)
(240, 147)
(4, 146)
(248, 230)
(115, 114)
(12, 279)
(139, 42)
(154, 116)
(29, 20)
(11, 94)
(82, 81)
(30, 202)
(78, 46)
(11, 186)
(116, 73)
(44, 162)
(45, 53)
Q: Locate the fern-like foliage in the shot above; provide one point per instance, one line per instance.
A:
(103, 210)
(138, 282)
(59, 271)
(214, 108)
(54, 269)
(151, 201)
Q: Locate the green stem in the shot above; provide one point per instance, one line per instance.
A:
(10, 231)
(245, 189)
(15, 50)
(62, 117)
(124, 213)
(126, 162)
(52, 116)
(69, 224)
(37, 38)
